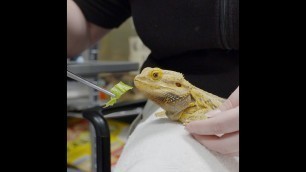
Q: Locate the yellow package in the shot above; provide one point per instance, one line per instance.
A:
(118, 134)
(79, 146)
(79, 143)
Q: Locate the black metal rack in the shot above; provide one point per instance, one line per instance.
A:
(95, 116)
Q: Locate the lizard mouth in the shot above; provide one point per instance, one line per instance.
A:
(137, 79)
(138, 82)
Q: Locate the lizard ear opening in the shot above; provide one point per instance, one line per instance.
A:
(178, 84)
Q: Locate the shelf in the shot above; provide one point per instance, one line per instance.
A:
(91, 69)
(80, 104)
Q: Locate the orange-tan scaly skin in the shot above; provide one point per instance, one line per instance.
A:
(181, 100)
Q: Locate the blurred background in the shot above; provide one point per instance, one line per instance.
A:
(117, 57)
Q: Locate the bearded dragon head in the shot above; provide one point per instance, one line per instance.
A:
(167, 88)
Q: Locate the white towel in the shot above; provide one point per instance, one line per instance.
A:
(161, 145)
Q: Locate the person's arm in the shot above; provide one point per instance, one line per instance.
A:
(81, 34)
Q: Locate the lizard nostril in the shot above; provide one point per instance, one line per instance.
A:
(178, 84)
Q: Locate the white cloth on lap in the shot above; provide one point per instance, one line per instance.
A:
(161, 145)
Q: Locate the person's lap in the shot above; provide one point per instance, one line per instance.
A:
(163, 145)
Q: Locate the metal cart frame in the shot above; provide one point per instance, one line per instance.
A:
(102, 159)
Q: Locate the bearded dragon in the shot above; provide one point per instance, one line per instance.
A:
(181, 100)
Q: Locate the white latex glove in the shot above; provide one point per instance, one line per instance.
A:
(220, 132)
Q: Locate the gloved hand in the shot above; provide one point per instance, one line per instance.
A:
(224, 122)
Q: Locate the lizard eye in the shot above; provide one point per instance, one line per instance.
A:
(156, 74)
(178, 84)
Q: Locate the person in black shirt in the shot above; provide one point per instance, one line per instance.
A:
(197, 38)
